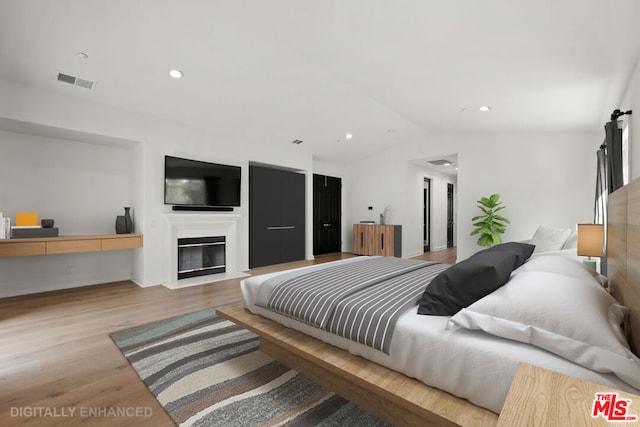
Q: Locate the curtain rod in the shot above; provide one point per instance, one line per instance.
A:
(617, 113)
(614, 117)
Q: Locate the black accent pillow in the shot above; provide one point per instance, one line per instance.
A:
(464, 283)
(523, 251)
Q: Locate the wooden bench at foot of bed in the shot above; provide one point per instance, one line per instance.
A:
(390, 395)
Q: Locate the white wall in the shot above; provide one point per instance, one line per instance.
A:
(378, 182)
(542, 178)
(631, 101)
(393, 186)
(83, 187)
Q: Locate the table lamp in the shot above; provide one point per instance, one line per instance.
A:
(590, 242)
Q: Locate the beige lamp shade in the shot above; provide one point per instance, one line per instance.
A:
(591, 240)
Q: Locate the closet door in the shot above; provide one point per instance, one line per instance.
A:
(277, 216)
(264, 214)
(292, 202)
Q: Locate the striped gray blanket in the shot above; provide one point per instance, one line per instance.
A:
(359, 300)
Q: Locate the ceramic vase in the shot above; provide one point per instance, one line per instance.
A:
(128, 221)
(121, 226)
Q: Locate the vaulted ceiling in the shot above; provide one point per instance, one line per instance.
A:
(315, 70)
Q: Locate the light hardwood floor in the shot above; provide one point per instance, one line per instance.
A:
(58, 365)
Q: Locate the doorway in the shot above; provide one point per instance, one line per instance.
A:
(327, 214)
(426, 215)
(450, 222)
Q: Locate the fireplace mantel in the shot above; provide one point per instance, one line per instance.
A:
(184, 225)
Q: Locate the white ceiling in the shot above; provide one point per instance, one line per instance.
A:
(314, 70)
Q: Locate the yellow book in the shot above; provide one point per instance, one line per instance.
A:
(26, 219)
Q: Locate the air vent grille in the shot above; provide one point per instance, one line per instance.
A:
(296, 141)
(84, 83)
(66, 78)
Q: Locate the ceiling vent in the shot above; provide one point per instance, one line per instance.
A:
(440, 162)
(66, 78)
(296, 141)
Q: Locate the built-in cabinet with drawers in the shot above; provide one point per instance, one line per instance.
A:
(375, 239)
(68, 244)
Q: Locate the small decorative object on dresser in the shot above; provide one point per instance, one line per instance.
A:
(121, 227)
(5, 227)
(33, 232)
(124, 223)
(128, 221)
(26, 219)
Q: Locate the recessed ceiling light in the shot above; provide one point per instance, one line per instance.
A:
(348, 136)
(484, 108)
(440, 162)
(175, 73)
(82, 55)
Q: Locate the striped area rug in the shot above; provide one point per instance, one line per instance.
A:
(207, 371)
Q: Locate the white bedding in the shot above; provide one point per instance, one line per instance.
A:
(467, 363)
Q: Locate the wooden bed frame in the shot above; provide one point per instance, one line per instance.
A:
(390, 395)
(623, 247)
(401, 400)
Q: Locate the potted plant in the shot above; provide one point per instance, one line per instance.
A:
(489, 225)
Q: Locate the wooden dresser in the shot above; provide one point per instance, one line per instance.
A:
(374, 239)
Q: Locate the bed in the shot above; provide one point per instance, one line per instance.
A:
(386, 383)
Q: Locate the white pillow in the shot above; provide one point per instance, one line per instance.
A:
(562, 265)
(549, 239)
(561, 314)
(572, 241)
(557, 264)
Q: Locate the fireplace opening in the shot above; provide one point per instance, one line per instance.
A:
(199, 256)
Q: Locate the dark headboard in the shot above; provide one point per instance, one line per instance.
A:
(623, 255)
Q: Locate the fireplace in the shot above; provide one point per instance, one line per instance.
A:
(201, 226)
(199, 256)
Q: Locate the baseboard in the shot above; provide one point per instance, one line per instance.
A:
(16, 288)
(412, 254)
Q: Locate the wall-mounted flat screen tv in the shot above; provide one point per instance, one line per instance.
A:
(200, 184)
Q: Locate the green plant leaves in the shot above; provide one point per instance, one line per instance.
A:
(485, 240)
(489, 225)
(501, 218)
